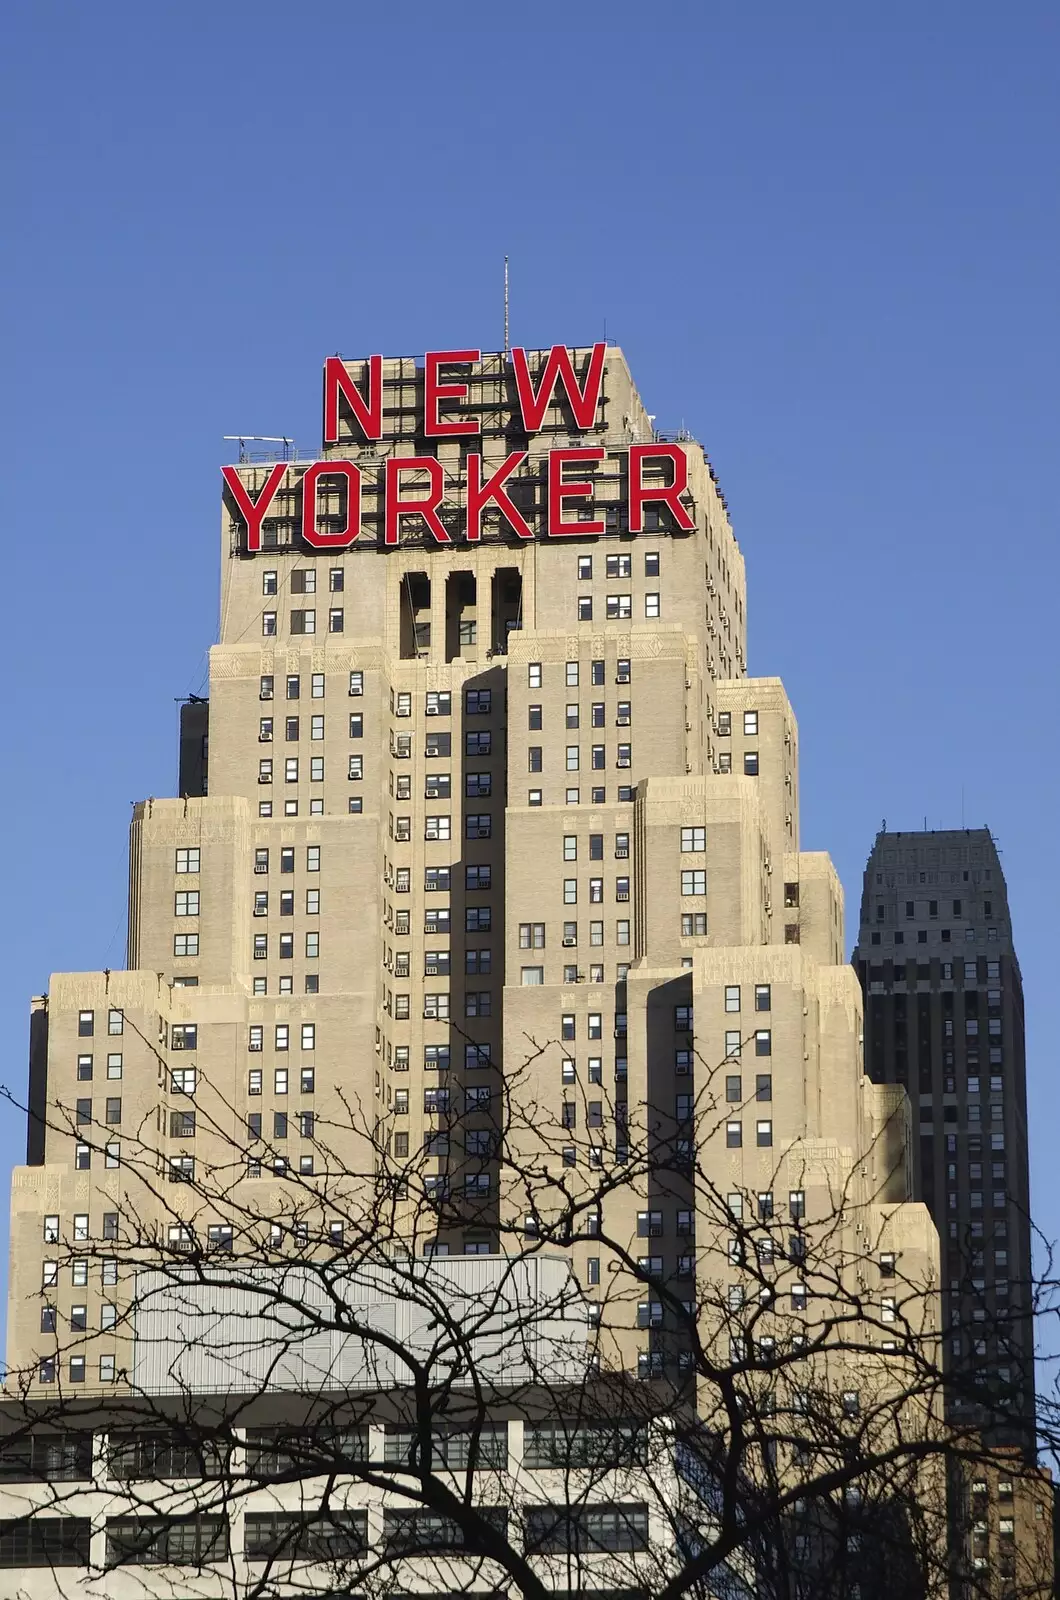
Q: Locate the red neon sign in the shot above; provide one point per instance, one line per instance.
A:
(357, 403)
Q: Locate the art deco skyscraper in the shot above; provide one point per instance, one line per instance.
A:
(488, 795)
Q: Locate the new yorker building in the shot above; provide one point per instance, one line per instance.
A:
(944, 1018)
(488, 795)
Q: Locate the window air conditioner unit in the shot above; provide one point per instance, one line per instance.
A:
(569, 943)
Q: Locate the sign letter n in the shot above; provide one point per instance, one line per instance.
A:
(367, 408)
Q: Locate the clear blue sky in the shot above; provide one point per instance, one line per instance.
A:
(825, 235)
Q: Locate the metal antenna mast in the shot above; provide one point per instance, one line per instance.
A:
(507, 346)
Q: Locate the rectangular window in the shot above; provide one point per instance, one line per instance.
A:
(187, 861)
(303, 622)
(693, 839)
(186, 903)
(694, 883)
(619, 606)
(652, 605)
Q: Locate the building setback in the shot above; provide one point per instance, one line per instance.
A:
(944, 1018)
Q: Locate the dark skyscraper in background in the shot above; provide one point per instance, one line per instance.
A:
(944, 1018)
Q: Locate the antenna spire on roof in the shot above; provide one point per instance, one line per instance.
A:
(507, 345)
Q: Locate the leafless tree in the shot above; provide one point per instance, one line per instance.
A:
(315, 1400)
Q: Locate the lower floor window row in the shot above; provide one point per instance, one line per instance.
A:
(191, 1541)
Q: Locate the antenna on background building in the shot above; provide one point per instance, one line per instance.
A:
(507, 347)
